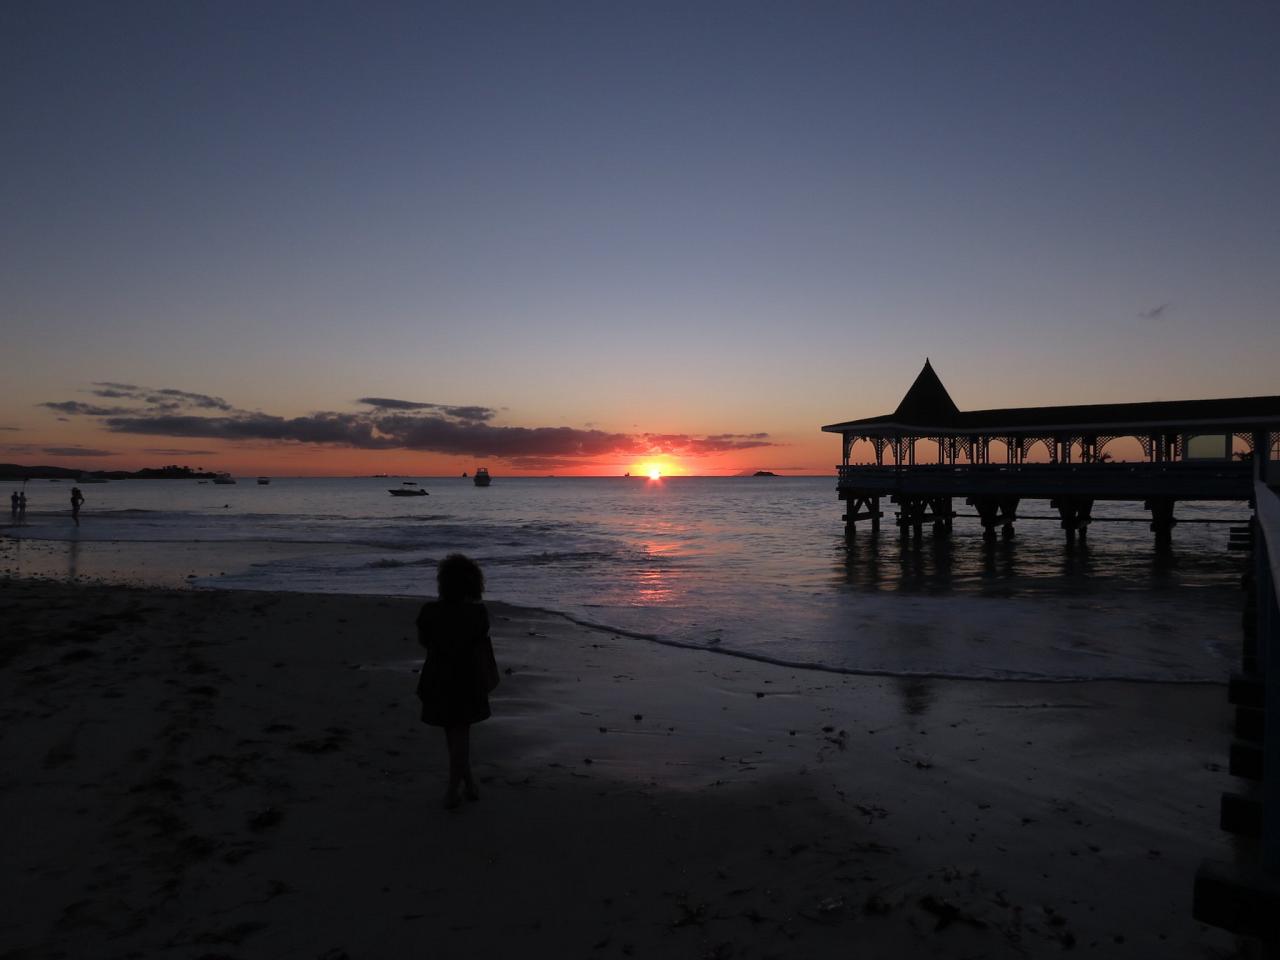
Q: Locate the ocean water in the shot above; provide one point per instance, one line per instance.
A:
(757, 567)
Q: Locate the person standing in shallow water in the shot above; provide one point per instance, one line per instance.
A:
(459, 671)
(77, 498)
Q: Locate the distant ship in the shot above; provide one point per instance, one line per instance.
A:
(482, 478)
(263, 481)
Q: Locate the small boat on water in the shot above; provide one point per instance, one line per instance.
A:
(408, 489)
(223, 478)
(482, 478)
(263, 481)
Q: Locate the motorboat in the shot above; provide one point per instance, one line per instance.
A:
(408, 489)
(482, 478)
(263, 481)
(223, 478)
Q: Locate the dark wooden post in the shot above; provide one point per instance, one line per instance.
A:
(1074, 514)
(1009, 513)
(1162, 521)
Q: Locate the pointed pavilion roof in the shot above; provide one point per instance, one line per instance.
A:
(928, 406)
(927, 402)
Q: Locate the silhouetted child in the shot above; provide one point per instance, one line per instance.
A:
(77, 498)
(13, 508)
(460, 670)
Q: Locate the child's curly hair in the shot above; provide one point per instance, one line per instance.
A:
(458, 578)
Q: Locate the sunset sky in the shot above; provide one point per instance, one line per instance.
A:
(323, 238)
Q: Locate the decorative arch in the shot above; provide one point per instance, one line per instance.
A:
(1011, 445)
(1028, 444)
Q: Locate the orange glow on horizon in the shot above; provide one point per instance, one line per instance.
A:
(91, 450)
(655, 469)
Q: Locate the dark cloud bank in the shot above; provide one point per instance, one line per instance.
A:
(389, 424)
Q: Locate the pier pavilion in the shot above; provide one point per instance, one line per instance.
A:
(929, 453)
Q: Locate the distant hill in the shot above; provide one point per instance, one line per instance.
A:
(764, 473)
(18, 471)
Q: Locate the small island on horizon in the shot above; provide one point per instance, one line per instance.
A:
(17, 471)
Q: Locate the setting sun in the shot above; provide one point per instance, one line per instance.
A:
(654, 469)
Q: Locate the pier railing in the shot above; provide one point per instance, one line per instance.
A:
(1243, 895)
(1266, 554)
(1181, 479)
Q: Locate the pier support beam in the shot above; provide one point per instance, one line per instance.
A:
(861, 507)
(943, 515)
(915, 512)
(911, 515)
(1076, 515)
(1162, 521)
(995, 512)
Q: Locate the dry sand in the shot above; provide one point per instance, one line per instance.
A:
(242, 775)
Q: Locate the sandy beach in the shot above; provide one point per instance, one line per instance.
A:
(225, 774)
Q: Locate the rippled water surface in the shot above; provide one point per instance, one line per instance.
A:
(758, 566)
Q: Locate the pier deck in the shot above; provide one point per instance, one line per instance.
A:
(1049, 481)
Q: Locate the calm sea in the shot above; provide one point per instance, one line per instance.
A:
(753, 566)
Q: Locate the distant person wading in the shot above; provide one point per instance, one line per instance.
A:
(460, 671)
(77, 498)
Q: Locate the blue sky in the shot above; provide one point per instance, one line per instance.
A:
(691, 220)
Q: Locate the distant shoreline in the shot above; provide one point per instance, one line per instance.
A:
(15, 472)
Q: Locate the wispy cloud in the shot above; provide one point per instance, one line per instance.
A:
(76, 452)
(391, 424)
(161, 397)
(80, 409)
(478, 414)
(178, 452)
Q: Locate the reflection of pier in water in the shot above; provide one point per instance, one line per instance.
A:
(1193, 449)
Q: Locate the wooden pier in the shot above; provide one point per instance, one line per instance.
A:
(929, 455)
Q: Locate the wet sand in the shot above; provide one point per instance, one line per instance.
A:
(236, 775)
